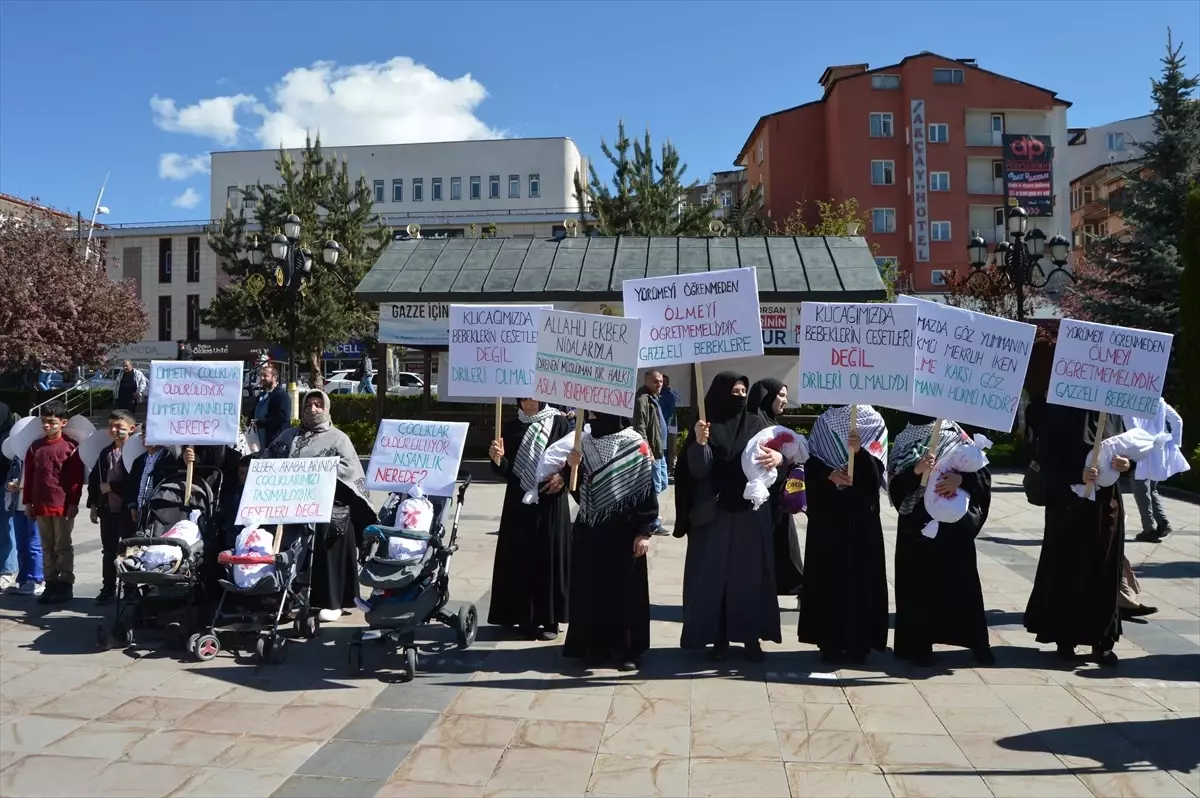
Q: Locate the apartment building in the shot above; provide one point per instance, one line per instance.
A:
(1114, 143)
(1097, 200)
(722, 189)
(918, 144)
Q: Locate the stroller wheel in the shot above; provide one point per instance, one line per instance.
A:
(103, 641)
(354, 665)
(307, 625)
(410, 664)
(175, 635)
(278, 652)
(466, 625)
(206, 647)
(122, 634)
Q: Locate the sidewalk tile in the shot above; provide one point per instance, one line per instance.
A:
(917, 749)
(827, 747)
(229, 783)
(442, 765)
(639, 776)
(730, 778)
(559, 735)
(843, 781)
(646, 739)
(562, 772)
(458, 731)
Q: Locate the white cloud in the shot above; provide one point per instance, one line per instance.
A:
(190, 198)
(212, 118)
(173, 166)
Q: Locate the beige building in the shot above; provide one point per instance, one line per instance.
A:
(1097, 199)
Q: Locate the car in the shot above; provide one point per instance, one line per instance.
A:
(404, 383)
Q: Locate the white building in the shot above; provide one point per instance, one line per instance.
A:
(1090, 147)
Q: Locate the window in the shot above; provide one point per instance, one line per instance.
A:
(760, 151)
(939, 181)
(939, 133)
(886, 262)
(232, 195)
(883, 173)
(1089, 231)
(193, 317)
(883, 220)
(997, 170)
(997, 125)
(940, 230)
(998, 217)
(164, 318)
(494, 187)
(251, 199)
(437, 190)
(1115, 141)
(397, 190)
(476, 190)
(1102, 230)
(193, 260)
(164, 260)
(535, 186)
(725, 198)
(937, 277)
(947, 76)
(1087, 194)
(379, 191)
(885, 81)
(881, 126)
(514, 186)
(418, 189)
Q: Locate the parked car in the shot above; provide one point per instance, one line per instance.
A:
(348, 381)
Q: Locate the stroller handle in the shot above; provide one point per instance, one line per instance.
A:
(462, 488)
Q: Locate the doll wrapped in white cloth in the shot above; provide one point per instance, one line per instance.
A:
(166, 558)
(965, 459)
(792, 445)
(1135, 444)
(253, 540)
(554, 459)
(413, 514)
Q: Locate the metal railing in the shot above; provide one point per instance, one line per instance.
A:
(81, 400)
(387, 216)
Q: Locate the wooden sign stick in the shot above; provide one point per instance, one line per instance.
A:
(1095, 458)
(499, 412)
(932, 447)
(699, 397)
(278, 538)
(853, 430)
(187, 487)
(580, 415)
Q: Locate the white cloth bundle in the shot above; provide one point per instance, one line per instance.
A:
(554, 459)
(1161, 464)
(252, 540)
(416, 515)
(1135, 444)
(792, 445)
(161, 555)
(965, 459)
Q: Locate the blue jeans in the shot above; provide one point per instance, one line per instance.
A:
(8, 542)
(660, 482)
(29, 548)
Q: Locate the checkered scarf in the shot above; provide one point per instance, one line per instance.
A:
(828, 440)
(618, 473)
(911, 446)
(533, 443)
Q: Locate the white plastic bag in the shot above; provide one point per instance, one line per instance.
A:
(253, 540)
(1134, 444)
(792, 445)
(966, 459)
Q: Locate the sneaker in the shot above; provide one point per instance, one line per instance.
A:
(1148, 536)
(106, 596)
(329, 616)
(7, 581)
(362, 604)
(29, 588)
(1163, 530)
(56, 593)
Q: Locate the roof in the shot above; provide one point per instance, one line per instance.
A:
(790, 269)
(1124, 168)
(340, 147)
(15, 200)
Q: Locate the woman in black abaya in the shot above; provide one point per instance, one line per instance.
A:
(618, 507)
(768, 398)
(729, 571)
(530, 577)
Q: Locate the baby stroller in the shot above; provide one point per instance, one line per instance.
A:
(158, 578)
(418, 582)
(255, 606)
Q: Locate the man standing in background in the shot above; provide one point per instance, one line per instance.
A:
(651, 424)
(668, 400)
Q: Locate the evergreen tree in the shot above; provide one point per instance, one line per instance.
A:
(1145, 259)
(1187, 345)
(647, 197)
(330, 206)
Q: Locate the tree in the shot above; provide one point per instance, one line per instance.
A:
(1187, 345)
(833, 219)
(990, 290)
(744, 218)
(1146, 260)
(330, 206)
(647, 196)
(55, 308)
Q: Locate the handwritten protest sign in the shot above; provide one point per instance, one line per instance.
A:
(856, 354)
(493, 349)
(288, 491)
(589, 361)
(970, 367)
(695, 318)
(1105, 368)
(417, 454)
(194, 403)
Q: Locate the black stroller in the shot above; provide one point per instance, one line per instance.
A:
(418, 583)
(157, 587)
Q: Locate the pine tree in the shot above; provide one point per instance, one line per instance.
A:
(331, 206)
(1145, 260)
(1187, 345)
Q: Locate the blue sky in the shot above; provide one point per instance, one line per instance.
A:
(77, 79)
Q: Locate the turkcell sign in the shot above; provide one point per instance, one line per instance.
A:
(920, 183)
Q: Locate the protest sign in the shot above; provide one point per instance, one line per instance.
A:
(194, 403)
(856, 354)
(1109, 369)
(493, 349)
(695, 318)
(970, 367)
(417, 454)
(288, 491)
(587, 361)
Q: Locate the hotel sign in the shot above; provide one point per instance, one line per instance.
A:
(920, 183)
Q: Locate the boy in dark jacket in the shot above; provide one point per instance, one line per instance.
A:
(149, 469)
(53, 486)
(107, 487)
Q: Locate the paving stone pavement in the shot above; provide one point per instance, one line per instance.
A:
(512, 718)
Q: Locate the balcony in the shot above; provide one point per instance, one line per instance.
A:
(992, 186)
(1097, 210)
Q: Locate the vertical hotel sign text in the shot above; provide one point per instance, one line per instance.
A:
(920, 184)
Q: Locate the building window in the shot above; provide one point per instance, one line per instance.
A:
(232, 195)
(164, 260)
(398, 190)
(940, 230)
(418, 189)
(939, 133)
(937, 277)
(726, 198)
(494, 187)
(1115, 141)
(514, 186)
(437, 190)
(885, 81)
(193, 260)
(164, 318)
(1088, 192)
(476, 191)
(760, 151)
(883, 220)
(1102, 230)
(379, 191)
(881, 126)
(947, 76)
(250, 200)
(939, 181)
(883, 173)
(193, 317)
(997, 170)
(886, 262)
(997, 128)
(998, 217)
(535, 186)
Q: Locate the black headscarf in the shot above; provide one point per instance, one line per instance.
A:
(604, 424)
(731, 426)
(762, 398)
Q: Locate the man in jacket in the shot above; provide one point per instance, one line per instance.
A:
(273, 411)
(651, 424)
(129, 388)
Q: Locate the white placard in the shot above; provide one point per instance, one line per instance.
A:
(493, 349)
(417, 454)
(970, 367)
(696, 318)
(414, 323)
(194, 403)
(856, 353)
(1105, 368)
(288, 491)
(589, 361)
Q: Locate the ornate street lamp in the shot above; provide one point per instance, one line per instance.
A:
(1020, 261)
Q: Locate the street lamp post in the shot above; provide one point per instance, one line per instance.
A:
(1020, 261)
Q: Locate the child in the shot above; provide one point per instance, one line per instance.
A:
(107, 486)
(29, 544)
(53, 485)
(147, 470)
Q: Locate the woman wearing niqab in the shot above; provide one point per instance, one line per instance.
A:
(767, 398)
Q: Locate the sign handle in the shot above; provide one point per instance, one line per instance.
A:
(278, 538)
(699, 398)
(853, 430)
(1095, 458)
(932, 446)
(187, 485)
(580, 415)
(499, 409)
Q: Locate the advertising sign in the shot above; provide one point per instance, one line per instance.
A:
(1028, 173)
(921, 234)
(414, 323)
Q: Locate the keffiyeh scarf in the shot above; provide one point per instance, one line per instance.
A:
(533, 443)
(911, 446)
(618, 474)
(828, 440)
